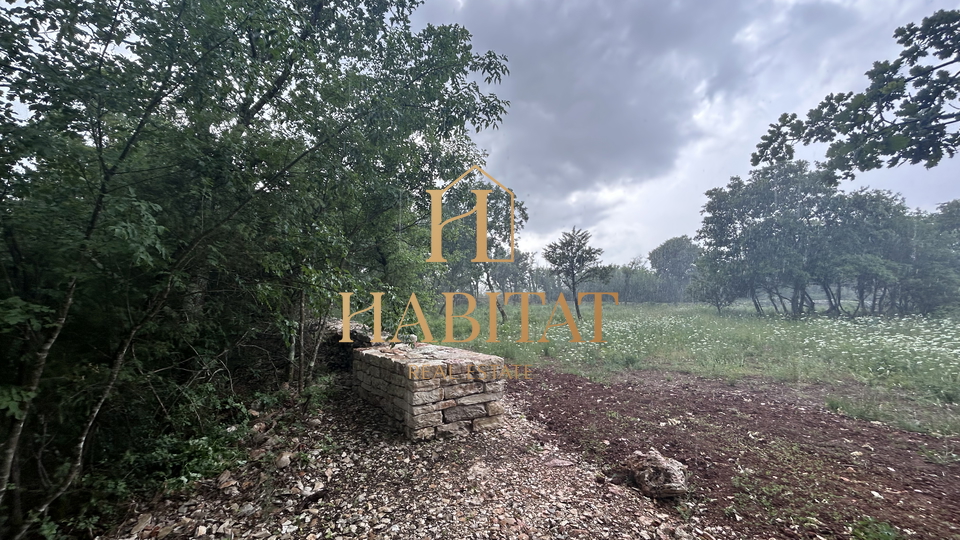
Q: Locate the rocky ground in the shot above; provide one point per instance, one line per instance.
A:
(764, 464)
(343, 472)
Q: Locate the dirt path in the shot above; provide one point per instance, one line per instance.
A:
(764, 460)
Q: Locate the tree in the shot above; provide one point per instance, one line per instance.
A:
(575, 262)
(908, 113)
(714, 285)
(674, 262)
(788, 229)
(766, 232)
(190, 174)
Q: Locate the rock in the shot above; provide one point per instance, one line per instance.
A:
(339, 355)
(141, 524)
(331, 331)
(224, 479)
(284, 460)
(657, 476)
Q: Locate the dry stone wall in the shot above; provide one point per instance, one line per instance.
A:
(433, 391)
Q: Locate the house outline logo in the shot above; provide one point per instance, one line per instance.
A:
(437, 222)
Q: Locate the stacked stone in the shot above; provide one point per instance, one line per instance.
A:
(433, 391)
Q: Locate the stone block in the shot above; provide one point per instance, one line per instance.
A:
(423, 420)
(480, 398)
(427, 396)
(422, 384)
(494, 408)
(421, 434)
(494, 386)
(460, 390)
(424, 409)
(464, 412)
(446, 404)
(489, 422)
(455, 368)
(454, 429)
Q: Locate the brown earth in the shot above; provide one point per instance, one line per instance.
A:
(766, 460)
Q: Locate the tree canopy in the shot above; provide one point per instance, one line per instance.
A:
(574, 262)
(909, 113)
(181, 179)
(787, 229)
(674, 262)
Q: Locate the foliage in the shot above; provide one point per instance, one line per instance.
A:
(871, 529)
(186, 185)
(674, 262)
(574, 262)
(908, 113)
(634, 282)
(787, 229)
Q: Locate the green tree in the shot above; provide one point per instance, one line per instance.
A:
(634, 282)
(714, 284)
(788, 229)
(674, 262)
(190, 176)
(574, 262)
(908, 113)
(767, 233)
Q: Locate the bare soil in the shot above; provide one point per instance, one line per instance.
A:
(767, 459)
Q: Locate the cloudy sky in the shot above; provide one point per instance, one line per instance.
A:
(623, 113)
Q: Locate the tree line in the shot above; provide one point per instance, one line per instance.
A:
(788, 231)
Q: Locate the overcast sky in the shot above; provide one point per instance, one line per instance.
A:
(623, 113)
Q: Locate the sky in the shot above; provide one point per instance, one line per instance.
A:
(625, 112)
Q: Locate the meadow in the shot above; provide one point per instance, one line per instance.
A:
(904, 371)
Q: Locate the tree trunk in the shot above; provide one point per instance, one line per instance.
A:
(756, 302)
(503, 313)
(576, 302)
(301, 368)
(831, 303)
(13, 440)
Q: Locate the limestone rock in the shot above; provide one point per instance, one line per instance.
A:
(657, 476)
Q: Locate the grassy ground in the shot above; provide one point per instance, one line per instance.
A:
(905, 371)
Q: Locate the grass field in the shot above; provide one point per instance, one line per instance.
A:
(905, 371)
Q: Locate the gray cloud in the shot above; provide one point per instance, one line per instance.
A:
(611, 93)
(600, 91)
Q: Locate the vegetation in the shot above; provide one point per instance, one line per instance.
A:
(188, 187)
(908, 114)
(899, 370)
(574, 262)
(674, 263)
(184, 187)
(787, 229)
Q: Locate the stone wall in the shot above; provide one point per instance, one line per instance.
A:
(433, 391)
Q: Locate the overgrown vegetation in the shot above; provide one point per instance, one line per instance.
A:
(186, 187)
(892, 361)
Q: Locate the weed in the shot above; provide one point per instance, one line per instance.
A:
(940, 457)
(870, 529)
